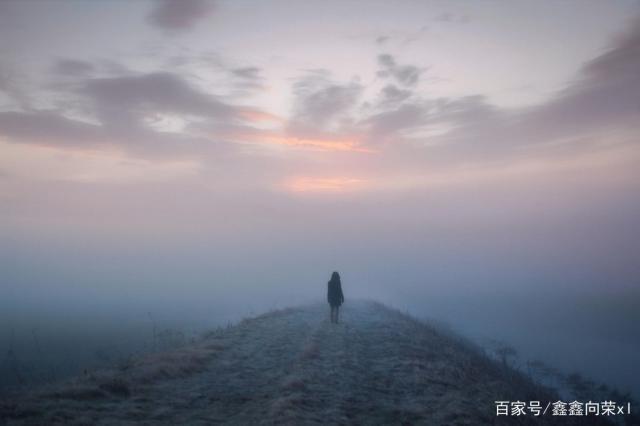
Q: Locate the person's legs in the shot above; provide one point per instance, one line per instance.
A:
(337, 313)
(334, 314)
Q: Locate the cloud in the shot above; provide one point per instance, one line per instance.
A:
(621, 60)
(392, 123)
(128, 112)
(248, 78)
(465, 110)
(380, 40)
(179, 15)
(123, 101)
(12, 85)
(72, 67)
(606, 91)
(448, 17)
(320, 104)
(406, 75)
(49, 129)
(599, 107)
(52, 129)
(166, 114)
(248, 73)
(392, 95)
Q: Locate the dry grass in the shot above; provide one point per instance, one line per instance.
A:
(290, 367)
(174, 364)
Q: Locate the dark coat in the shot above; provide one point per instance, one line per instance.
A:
(334, 293)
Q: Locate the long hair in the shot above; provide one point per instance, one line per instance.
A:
(335, 277)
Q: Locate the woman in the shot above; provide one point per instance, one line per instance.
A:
(335, 296)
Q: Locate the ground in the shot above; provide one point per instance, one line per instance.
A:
(293, 366)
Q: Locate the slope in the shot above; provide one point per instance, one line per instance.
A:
(292, 366)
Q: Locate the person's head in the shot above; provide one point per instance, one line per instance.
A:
(335, 276)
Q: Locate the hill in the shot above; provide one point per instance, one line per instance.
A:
(292, 366)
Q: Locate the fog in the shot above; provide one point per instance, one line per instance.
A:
(547, 266)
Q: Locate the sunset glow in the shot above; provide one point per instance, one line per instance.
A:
(310, 184)
(320, 144)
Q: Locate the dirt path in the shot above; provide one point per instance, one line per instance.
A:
(291, 367)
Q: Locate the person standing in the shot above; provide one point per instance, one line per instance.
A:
(334, 295)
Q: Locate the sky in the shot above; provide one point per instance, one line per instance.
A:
(470, 161)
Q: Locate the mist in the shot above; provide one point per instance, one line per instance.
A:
(545, 264)
(471, 164)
